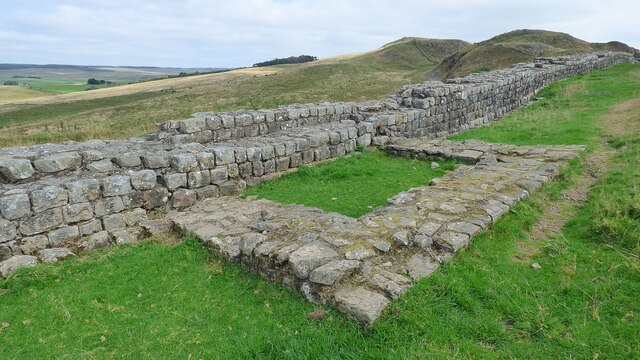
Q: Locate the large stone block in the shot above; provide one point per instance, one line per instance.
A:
(198, 179)
(156, 197)
(363, 305)
(224, 155)
(309, 257)
(175, 181)
(219, 175)
(108, 206)
(116, 185)
(48, 197)
(183, 198)
(156, 160)
(15, 263)
(143, 180)
(8, 231)
(83, 191)
(192, 125)
(42, 222)
(15, 206)
(127, 160)
(31, 245)
(64, 235)
(77, 212)
(58, 162)
(114, 222)
(16, 169)
(184, 162)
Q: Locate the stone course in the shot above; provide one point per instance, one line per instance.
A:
(85, 196)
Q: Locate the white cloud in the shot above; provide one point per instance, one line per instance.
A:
(241, 32)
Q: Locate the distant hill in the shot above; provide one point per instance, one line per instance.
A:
(513, 47)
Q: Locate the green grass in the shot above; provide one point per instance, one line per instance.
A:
(159, 301)
(352, 185)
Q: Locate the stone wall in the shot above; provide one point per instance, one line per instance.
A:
(85, 195)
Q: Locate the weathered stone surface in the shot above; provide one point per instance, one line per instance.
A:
(198, 179)
(392, 284)
(381, 245)
(127, 160)
(30, 245)
(184, 162)
(154, 198)
(58, 162)
(183, 198)
(116, 185)
(229, 247)
(175, 181)
(48, 197)
(359, 254)
(77, 212)
(64, 235)
(102, 166)
(331, 272)
(156, 160)
(465, 228)
(250, 241)
(16, 169)
(123, 236)
(15, 206)
(363, 305)
(420, 266)
(16, 263)
(309, 257)
(42, 222)
(451, 241)
(90, 227)
(54, 254)
(83, 191)
(232, 187)
(156, 227)
(135, 216)
(143, 179)
(8, 231)
(99, 240)
(192, 125)
(224, 155)
(114, 222)
(401, 238)
(108, 206)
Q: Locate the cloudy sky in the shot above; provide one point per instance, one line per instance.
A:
(199, 33)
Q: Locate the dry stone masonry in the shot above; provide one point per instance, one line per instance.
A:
(60, 200)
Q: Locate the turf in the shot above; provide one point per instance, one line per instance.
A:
(352, 185)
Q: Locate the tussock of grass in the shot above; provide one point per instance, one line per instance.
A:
(353, 185)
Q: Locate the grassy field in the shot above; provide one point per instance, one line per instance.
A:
(10, 94)
(157, 300)
(366, 180)
(347, 78)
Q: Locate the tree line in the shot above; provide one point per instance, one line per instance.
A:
(290, 60)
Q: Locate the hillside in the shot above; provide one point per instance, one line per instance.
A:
(513, 47)
(132, 110)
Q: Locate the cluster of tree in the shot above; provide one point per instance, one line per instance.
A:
(290, 60)
(25, 77)
(93, 81)
(11, 83)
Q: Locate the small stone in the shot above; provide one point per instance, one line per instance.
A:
(392, 288)
(420, 266)
(108, 206)
(465, 228)
(192, 125)
(156, 161)
(198, 179)
(401, 237)
(219, 175)
(250, 241)
(77, 212)
(265, 248)
(232, 187)
(363, 305)
(224, 155)
(15, 263)
(90, 227)
(54, 254)
(429, 228)
(423, 241)
(381, 245)
(435, 165)
(135, 216)
(359, 254)
(451, 241)
(536, 266)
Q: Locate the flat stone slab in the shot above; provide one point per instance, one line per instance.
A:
(16, 263)
(383, 253)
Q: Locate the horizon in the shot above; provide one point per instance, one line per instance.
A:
(200, 34)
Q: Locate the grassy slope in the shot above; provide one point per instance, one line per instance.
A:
(347, 78)
(513, 47)
(158, 301)
(17, 93)
(367, 181)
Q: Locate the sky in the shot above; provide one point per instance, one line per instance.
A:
(225, 34)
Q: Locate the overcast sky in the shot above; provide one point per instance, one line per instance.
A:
(199, 33)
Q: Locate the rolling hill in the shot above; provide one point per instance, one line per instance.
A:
(513, 47)
(132, 110)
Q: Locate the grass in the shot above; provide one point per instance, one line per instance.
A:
(17, 93)
(352, 185)
(161, 301)
(350, 78)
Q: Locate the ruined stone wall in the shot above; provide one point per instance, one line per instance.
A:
(84, 195)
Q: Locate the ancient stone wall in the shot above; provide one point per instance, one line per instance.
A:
(85, 195)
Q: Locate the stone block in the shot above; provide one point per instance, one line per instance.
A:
(309, 257)
(233, 171)
(58, 162)
(219, 175)
(116, 185)
(64, 235)
(16, 263)
(143, 179)
(108, 206)
(206, 160)
(245, 170)
(15, 206)
(156, 160)
(183, 198)
(198, 179)
(224, 155)
(332, 272)
(83, 190)
(365, 306)
(77, 212)
(122, 236)
(175, 181)
(8, 231)
(258, 168)
(267, 152)
(31, 245)
(184, 162)
(101, 166)
(127, 160)
(209, 191)
(240, 155)
(232, 187)
(154, 198)
(54, 254)
(192, 125)
(90, 227)
(114, 222)
(254, 154)
(48, 197)
(16, 169)
(42, 222)
(135, 216)
(99, 240)
(282, 163)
